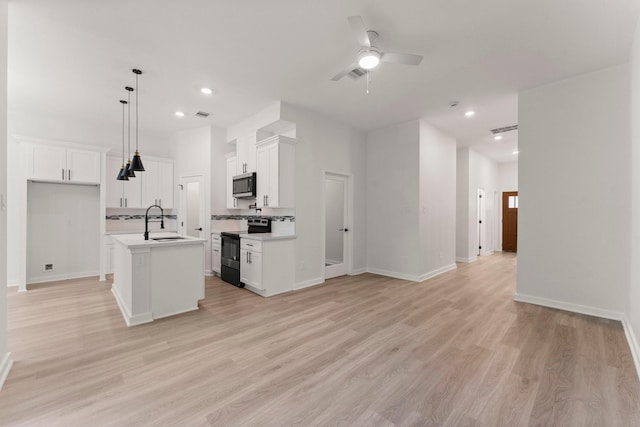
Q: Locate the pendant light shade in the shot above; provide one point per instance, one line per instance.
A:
(122, 175)
(136, 163)
(128, 169)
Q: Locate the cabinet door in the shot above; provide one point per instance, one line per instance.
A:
(150, 182)
(255, 261)
(273, 193)
(215, 258)
(165, 185)
(132, 192)
(114, 187)
(246, 154)
(231, 172)
(83, 166)
(245, 268)
(262, 176)
(48, 163)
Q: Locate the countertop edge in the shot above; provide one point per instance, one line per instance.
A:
(268, 236)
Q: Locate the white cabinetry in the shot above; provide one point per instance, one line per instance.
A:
(246, 153)
(215, 252)
(122, 194)
(60, 164)
(267, 266)
(157, 184)
(232, 202)
(275, 172)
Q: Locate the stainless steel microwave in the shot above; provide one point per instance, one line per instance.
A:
(244, 186)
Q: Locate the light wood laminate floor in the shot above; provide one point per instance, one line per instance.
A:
(364, 350)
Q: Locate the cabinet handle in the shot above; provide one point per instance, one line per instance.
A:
(69, 174)
(63, 174)
(120, 201)
(216, 250)
(249, 244)
(266, 200)
(249, 253)
(125, 202)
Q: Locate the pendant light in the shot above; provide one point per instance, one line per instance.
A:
(137, 161)
(122, 176)
(128, 169)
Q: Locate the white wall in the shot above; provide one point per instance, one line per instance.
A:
(508, 176)
(323, 145)
(191, 152)
(574, 179)
(63, 229)
(437, 200)
(633, 296)
(462, 206)
(219, 148)
(5, 357)
(393, 200)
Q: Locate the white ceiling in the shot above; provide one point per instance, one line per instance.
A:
(73, 57)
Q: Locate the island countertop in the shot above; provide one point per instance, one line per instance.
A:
(267, 236)
(137, 240)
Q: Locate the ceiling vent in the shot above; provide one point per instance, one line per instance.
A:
(356, 73)
(504, 129)
(202, 114)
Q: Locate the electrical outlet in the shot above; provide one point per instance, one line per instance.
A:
(48, 267)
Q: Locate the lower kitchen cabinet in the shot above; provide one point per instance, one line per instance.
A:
(215, 252)
(267, 264)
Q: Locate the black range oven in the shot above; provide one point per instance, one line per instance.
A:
(230, 256)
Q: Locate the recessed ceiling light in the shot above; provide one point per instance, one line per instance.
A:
(470, 114)
(497, 137)
(515, 151)
(206, 91)
(179, 114)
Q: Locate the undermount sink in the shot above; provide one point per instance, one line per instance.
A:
(167, 239)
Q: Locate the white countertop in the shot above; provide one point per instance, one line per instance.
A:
(111, 233)
(267, 236)
(137, 240)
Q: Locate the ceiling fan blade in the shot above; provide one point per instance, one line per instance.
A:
(344, 72)
(401, 58)
(359, 30)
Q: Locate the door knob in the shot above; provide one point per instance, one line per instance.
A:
(343, 229)
(199, 229)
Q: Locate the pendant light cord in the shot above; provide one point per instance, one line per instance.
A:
(129, 126)
(136, 112)
(123, 102)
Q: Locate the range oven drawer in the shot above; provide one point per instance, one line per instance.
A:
(230, 263)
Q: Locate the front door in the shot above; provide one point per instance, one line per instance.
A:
(510, 221)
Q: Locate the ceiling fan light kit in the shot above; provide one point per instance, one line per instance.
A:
(369, 59)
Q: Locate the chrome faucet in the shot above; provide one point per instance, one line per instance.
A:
(146, 220)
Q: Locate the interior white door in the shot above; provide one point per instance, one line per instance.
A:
(482, 235)
(192, 204)
(336, 227)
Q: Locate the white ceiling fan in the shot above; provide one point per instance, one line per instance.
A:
(370, 55)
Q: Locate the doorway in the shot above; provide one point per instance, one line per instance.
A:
(192, 206)
(482, 226)
(336, 215)
(510, 221)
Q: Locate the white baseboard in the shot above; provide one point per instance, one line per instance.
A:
(12, 283)
(460, 259)
(126, 314)
(633, 343)
(567, 306)
(412, 277)
(5, 367)
(308, 283)
(486, 253)
(64, 276)
(437, 272)
(358, 271)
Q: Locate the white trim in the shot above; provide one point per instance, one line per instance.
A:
(308, 283)
(567, 306)
(128, 318)
(486, 253)
(12, 283)
(357, 271)
(59, 143)
(437, 272)
(633, 343)
(57, 277)
(5, 367)
(471, 259)
(332, 261)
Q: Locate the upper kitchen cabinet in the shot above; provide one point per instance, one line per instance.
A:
(122, 194)
(157, 184)
(62, 164)
(275, 172)
(246, 154)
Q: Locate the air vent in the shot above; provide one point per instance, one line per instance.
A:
(356, 73)
(202, 114)
(504, 129)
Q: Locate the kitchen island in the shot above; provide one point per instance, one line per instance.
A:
(158, 277)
